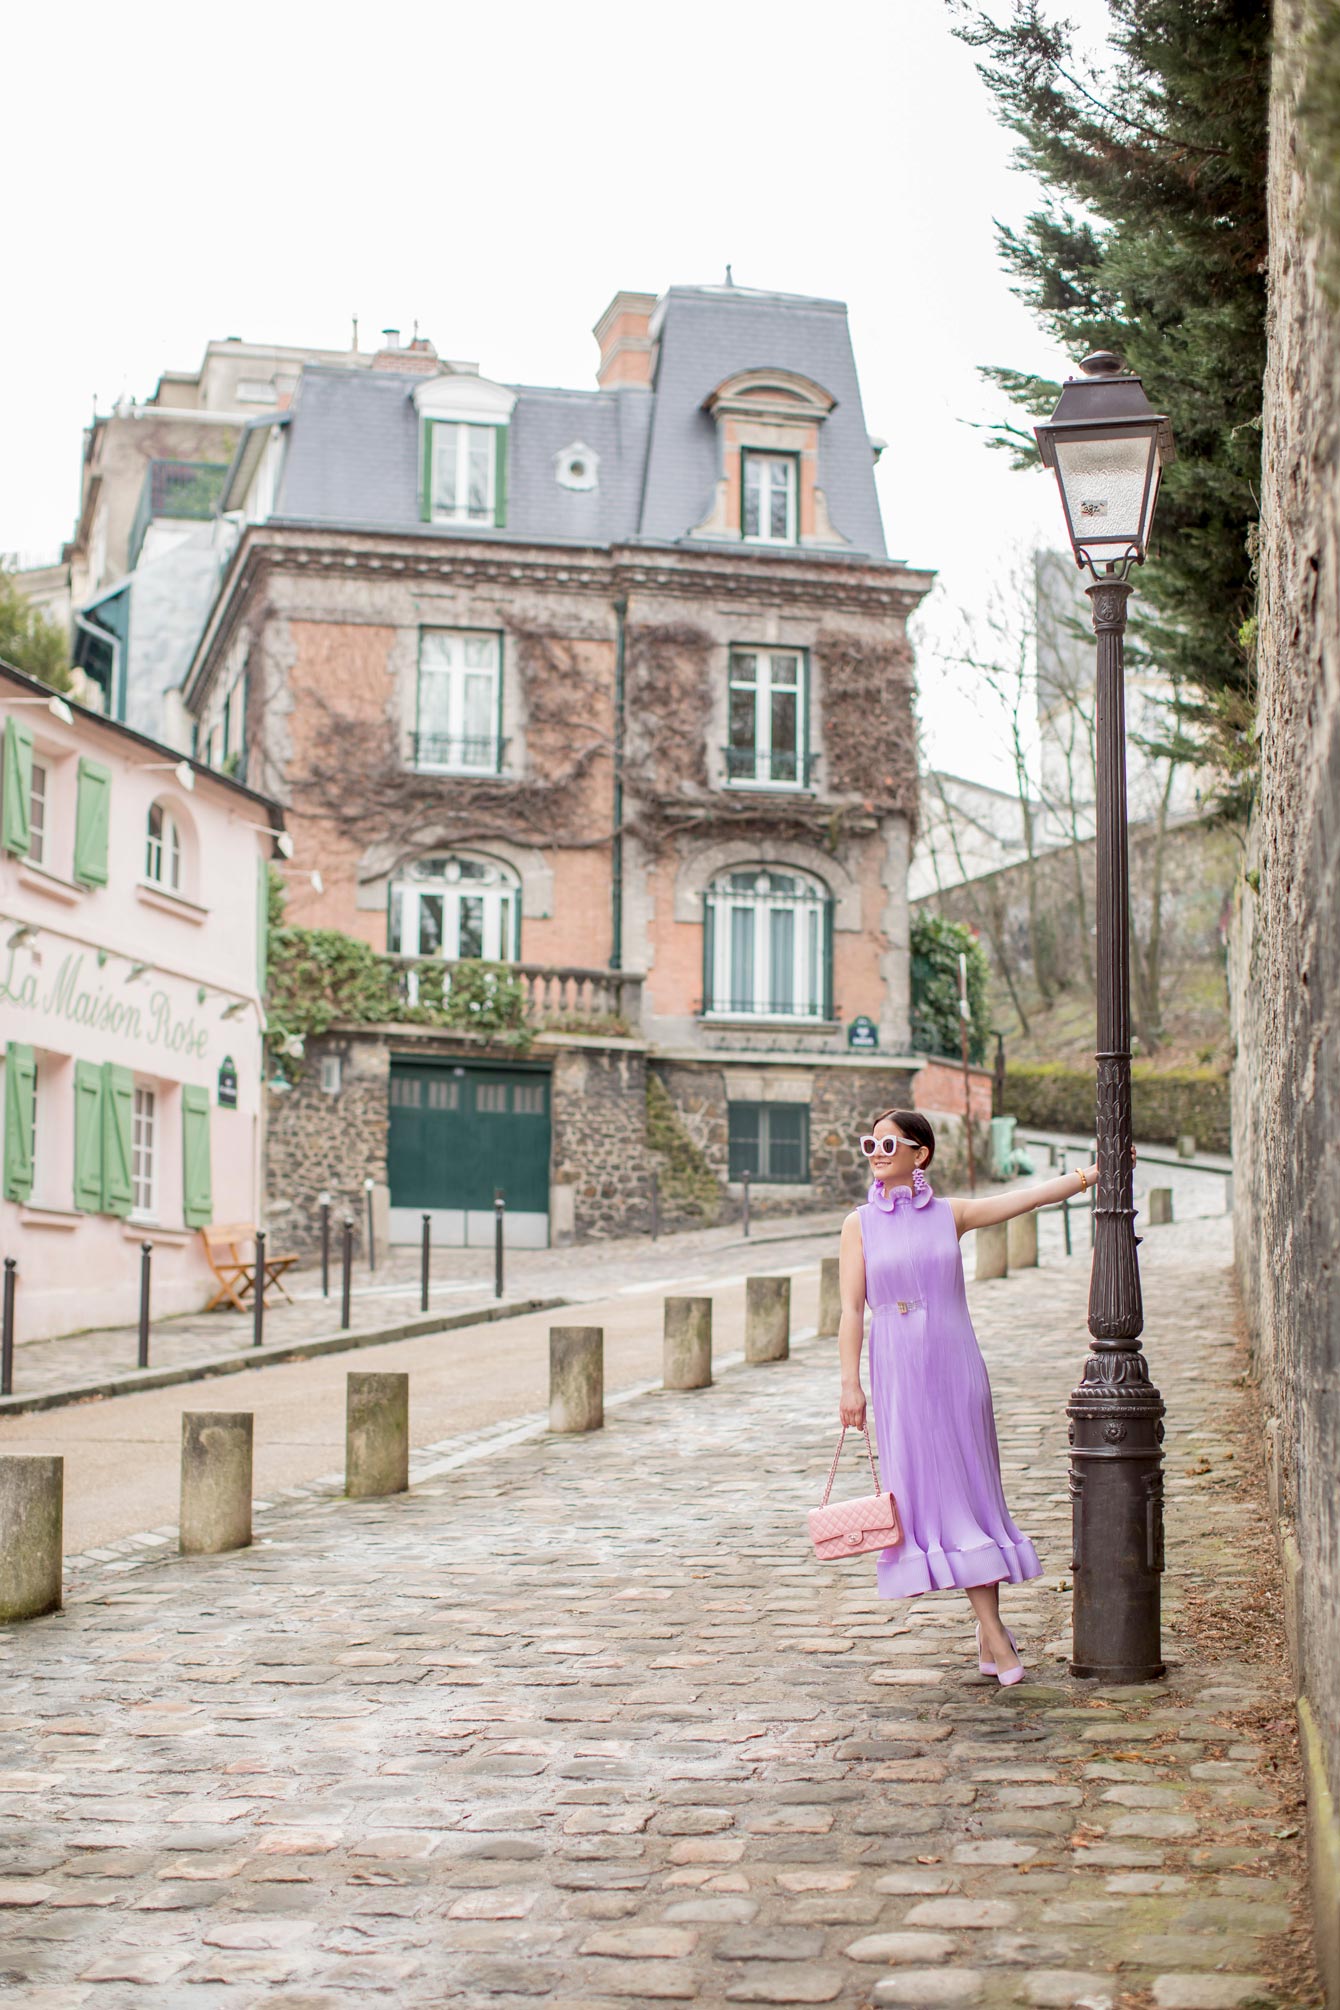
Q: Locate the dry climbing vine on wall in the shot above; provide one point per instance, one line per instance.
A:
(358, 776)
(870, 741)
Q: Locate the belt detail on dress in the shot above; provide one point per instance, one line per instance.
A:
(903, 1305)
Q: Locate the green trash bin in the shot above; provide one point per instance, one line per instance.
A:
(1002, 1146)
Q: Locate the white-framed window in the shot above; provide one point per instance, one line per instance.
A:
(142, 1154)
(769, 497)
(457, 714)
(766, 945)
(463, 472)
(454, 906)
(162, 852)
(768, 719)
(37, 815)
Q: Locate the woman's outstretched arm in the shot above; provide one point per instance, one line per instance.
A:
(974, 1213)
(851, 1328)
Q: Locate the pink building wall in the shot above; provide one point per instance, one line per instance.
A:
(139, 974)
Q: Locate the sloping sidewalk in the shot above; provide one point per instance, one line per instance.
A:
(582, 1719)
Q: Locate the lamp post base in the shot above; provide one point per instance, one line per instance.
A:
(1083, 1673)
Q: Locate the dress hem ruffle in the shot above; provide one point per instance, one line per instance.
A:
(908, 1572)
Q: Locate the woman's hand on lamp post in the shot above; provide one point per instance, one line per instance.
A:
(851, 1406)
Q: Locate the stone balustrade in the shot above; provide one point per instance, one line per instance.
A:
(557, 996)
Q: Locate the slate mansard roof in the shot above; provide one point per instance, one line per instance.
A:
(352, 454)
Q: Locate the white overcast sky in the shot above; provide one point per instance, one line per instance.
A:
(495, 174)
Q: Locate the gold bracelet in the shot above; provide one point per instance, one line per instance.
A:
(1082, 1177)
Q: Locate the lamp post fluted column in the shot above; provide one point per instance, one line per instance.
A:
(1116, 1414)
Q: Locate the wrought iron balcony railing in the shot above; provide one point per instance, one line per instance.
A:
(479, 754)
(782, 767)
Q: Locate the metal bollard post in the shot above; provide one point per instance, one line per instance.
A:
(655, 1204)
(423, 1267)
(146, 1258)
(372, 1234)
(324, 1204)
(744, 1202)
(347, 1266)
(258, 1293)
(499, 1209)
(7, 1329)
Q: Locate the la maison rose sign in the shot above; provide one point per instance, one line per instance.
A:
(102, 1010)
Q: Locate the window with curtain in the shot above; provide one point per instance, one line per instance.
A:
(142, 1154)
(463, 472)
(456, 907)
(768, 497)
(767, 719)
(766, 948)
(457, 714)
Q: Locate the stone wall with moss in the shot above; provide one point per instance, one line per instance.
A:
(1285, 948)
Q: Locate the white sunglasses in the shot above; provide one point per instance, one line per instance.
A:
(885, 1147)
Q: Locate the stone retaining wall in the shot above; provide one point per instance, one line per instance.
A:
(1285, 973)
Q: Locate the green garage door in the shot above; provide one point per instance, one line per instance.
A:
(459, 1133)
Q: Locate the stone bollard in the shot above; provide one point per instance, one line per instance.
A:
(993, 1251)
(1021, 1242)
(1160, 1206)
(215, 1481)
(1186, 1146)
(32, 1515)
(576, 1378)
(830, 1296)
(767, 1319)
(376, 1438)
(688, 1344)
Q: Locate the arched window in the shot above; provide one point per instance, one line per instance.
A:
(767, 947)
(453, 906)
(162, 856)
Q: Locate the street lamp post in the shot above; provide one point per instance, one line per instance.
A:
(1107, 446)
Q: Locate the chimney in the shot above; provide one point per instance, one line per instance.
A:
(390, 338)
(627, 353)
(417, 359)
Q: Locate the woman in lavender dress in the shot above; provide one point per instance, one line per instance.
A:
(934, 1425)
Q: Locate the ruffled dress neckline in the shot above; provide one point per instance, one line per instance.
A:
(919, 1194)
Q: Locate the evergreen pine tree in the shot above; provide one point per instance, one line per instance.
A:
(1152, 242)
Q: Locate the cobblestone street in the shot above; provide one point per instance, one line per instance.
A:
(582, 1720)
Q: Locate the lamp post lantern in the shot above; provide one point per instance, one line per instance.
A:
(1108, 446)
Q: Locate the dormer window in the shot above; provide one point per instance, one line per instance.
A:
(463, 449)
(464, 474)
(768, 493)
(577, 467)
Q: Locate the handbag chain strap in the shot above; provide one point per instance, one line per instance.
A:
(838, 1454)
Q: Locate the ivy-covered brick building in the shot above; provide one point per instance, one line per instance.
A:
(612, 686)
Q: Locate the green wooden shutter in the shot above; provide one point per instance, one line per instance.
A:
(118, 1118)
(262, 925)
(16, 832)
(500, 478)
(709, 950)
(88, 1136)
(20, 1101)
(92, 806)
(196, 1186)
(426, 473)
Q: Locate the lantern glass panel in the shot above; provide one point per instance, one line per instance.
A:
(1107, 487)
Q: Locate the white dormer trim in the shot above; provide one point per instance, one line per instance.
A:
(471, 401)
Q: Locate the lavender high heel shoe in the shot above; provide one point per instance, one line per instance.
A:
(989, 1667)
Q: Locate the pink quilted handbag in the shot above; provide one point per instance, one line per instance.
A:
(849, 1528)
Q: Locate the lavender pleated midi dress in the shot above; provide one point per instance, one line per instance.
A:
(931, 1398)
